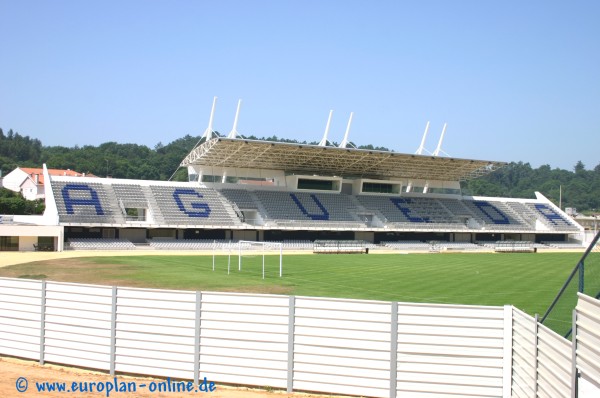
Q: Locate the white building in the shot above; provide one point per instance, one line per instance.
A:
(30, 181)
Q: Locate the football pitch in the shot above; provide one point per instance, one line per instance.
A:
(527, 281)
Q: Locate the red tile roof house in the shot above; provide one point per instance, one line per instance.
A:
(30, 181)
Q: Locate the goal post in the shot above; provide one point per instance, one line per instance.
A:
(220, 246)
(262, 247)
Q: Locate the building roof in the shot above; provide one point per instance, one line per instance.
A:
(53, 172)
(334, 161)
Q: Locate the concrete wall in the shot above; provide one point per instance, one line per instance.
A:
(28, 234)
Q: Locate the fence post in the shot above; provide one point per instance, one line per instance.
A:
(113, 331)
(394, 350)
(536, 329)
(197, 338)
(291, 323)
(574, 381)
(581, 276)
(43, 323)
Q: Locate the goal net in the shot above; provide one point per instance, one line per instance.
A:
(261, 254)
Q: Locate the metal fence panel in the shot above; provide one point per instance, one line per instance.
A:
(450, 350)
(588, 340)
(78, 324)
(336, 346)
(20, 317)
(554, 364)
(524, 372)
(244, 338)
(155, 332)
(342, 346)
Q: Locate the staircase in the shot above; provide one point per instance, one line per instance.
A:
(231, 209)
(377, 220)
(115, 208)
(153, 208)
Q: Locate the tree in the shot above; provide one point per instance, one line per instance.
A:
(13, 203)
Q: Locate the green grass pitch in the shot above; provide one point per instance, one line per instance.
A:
(527, 281)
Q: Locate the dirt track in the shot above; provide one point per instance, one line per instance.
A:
(11, 258)
(11, 369)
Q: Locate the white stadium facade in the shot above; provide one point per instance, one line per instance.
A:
(241, 189)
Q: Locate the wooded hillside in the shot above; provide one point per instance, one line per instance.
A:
(580, 186)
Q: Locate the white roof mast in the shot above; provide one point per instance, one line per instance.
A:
(344, 142)
(324, 139)
(208, 133)
(234, 133)
(422, 146)
(439, 147)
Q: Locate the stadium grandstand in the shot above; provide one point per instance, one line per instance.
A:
(243, 189)
(258, 190)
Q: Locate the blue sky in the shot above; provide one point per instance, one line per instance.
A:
(514, 80)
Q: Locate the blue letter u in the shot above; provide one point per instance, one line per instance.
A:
(323, 216)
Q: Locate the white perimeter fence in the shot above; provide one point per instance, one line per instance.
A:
(355, 347)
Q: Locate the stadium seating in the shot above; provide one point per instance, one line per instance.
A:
(110, 202)
(100, 244)
(188, 244)
(551, 218)
(193, 206)
(218, 244)
(408, 245)
(295, 244)
(496, 216)
(86, 203)
(339, 211)
(105, 203)
(434, 246)
(412, 213)
(241, 197)
(131, 195)
(564, 245)
(459, 246)
(309, 210)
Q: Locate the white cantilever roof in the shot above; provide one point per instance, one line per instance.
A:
(326, 160)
